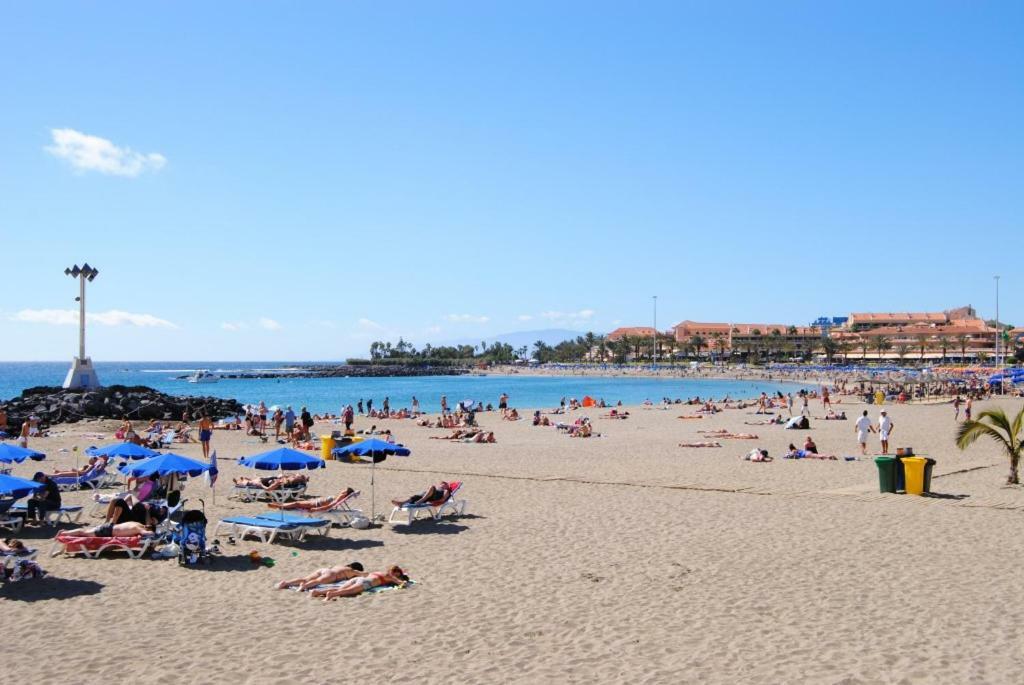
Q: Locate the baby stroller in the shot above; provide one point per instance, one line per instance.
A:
(190, 537)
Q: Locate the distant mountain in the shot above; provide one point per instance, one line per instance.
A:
(551, 336)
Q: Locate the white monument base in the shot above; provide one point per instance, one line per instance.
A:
(81, 375)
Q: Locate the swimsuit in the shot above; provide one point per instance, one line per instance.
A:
(104, 531)
(205, 435)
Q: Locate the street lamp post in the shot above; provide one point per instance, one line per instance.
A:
(999, 338)
(81, 375)
(654, 366)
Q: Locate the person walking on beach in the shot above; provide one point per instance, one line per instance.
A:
(444, 404)
(967, 408)
(503, 404)
(205, 433)
(307, 423)
(349, 417)
(359, 406)
(956, 408)
(278, 420)
(863, 428)
(805, 410)
(826, 401)
(386, 407)
(885, 426)
(289, 421)
(789, 402)
(369, 406)
(415, 406)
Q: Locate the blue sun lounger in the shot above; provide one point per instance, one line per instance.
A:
(267, 529)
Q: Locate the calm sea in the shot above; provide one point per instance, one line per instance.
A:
(329, 394)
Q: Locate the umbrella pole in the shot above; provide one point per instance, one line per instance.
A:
(373, 493)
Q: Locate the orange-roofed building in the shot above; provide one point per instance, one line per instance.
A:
(632, 332)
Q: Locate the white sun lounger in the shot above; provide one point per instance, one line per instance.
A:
(247, 493)
(341, 514)
(457, 507)
(134, 546)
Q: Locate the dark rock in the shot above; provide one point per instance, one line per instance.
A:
(57, 405)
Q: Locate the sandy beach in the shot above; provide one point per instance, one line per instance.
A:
(620, 558)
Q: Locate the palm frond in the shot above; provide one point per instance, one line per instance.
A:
(970, 431)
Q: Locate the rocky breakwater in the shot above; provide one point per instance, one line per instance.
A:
(57, 405)
(349, 371)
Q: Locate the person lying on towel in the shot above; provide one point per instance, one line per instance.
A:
(357, 586)
(324, 576)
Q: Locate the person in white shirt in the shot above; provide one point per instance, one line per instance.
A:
(863, 427)
(885, 426)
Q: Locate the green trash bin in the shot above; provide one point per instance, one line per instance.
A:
(886, 474)
(928, 464)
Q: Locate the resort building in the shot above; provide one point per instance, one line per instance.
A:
(748, 337)
(630, 332)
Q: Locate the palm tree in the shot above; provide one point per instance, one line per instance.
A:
(843, 347)
(943, 345)
(831, 347)
(901, 351)
(961, 340)
(922, 342)
(718, 342)
(882, 344)
(698, 343)
(864, 343)
(996, 425)
(774, 342)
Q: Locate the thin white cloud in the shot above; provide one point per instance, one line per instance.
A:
(571, 317)
(433, 330)
(467, 318)
(92, 153)
(233, 325)
(524, 317)
(269, 324)
(69, 317)
(368, 325)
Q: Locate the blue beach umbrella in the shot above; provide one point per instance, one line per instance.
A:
(376, 450)
(123, 450)
(164, 465)
(17, 487)
(13, 454)
(282, 459)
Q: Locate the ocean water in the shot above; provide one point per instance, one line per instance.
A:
(330, 394)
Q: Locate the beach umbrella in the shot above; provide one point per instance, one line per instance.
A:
(164, 465)
(17, 487)
(13, 454)
(123, 450)
(372, 450)
(282, 459)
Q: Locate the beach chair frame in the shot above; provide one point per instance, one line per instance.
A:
(436, 510)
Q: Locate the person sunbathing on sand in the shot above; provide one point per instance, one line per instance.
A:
(315, 503)
(700, 444)
(324, 576)
(722, 433)
(357, 586)
(433, 494)
(111, 530)
(757, 455)
(513, 415)
(456, 435)
(481, 436)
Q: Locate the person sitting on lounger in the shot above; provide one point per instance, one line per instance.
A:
(316, 503)
(270, 483)
(434, 493)
(124, 509)
(111, 530)
(357, 586)
(93, 463)
(324, 576)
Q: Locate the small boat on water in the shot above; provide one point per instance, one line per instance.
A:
(203, 376)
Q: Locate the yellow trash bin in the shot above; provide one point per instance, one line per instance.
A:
(879, 397)
(327, 444)
(913, 468)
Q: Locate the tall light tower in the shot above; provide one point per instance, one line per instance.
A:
(999, 336)
(655, 348)
(81, 375)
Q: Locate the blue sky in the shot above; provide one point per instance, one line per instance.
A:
(291, 181)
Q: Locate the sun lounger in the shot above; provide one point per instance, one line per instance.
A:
(92, 479)
(268, 529)
(248, 493)
(134, 545)
(13, 522)
(341, 513)
(68, 512)
(435, 509)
